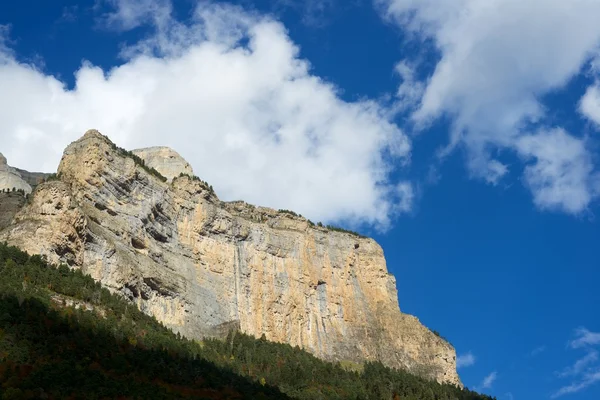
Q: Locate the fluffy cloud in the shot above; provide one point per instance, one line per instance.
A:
(497, 58)
(465, 360)
(590, 103)
(561, 171)
(229, 92)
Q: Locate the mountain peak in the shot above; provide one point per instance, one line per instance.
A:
(203, 267)
(10, 178)
(165, 160)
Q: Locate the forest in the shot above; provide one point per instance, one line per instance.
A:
(63, 336)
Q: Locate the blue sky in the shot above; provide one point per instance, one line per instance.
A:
(462, 135)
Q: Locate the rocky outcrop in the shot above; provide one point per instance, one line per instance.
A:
(202, 266)
(166, 161)
(10, 178)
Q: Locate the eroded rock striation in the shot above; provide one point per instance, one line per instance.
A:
(202, 266)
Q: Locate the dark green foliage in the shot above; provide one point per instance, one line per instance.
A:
(52, 177)
(50, 349)
(14, 191)
(436, 333)
(138, 161)
(338, 229)
(112, 351)
(289, 212)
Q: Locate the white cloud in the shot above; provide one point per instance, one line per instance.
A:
(537, 351)
(590, 103)
(411, 89)
(489, 380)
(129, 14)
(314, 13)
(585, 370)
(465, 360)
(229, 92)
(562, 172)
(580, 365)
(497, 58)
(5, 51)
(584, 337)
(588, 380)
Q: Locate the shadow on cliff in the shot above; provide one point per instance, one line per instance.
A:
(66, 353)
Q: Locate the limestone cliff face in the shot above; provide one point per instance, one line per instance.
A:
(10, 178)
(203, 266)
(166, 161)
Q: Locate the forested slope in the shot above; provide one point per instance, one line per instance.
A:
(63, 336)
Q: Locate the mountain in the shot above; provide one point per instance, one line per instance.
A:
(10, 178)
(203, 267)
(64, 336)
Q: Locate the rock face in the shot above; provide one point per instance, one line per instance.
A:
(166, 161)
(10, 204)
(32, 178)
(202, 266)
(10, 178)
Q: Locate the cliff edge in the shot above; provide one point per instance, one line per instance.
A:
(203, 266)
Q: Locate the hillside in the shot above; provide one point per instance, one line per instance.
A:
(64, 336)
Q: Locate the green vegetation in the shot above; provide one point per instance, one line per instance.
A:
(290, 213)
(436, 333)
(52, 177)
(195, 178)
(320, 224)
(138, 161)
(338, 229)
(15, 190)
(49, 349)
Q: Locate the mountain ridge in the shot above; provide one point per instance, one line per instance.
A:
(199, 264)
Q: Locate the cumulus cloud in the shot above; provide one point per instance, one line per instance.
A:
(497, 58)
(590, 103)
(465, 360)
(411, 89)
(129, 14)
(561, 172)
(230, 93)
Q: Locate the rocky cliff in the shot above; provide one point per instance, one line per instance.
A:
(202, 266)
(10, 178)
(166, 161)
